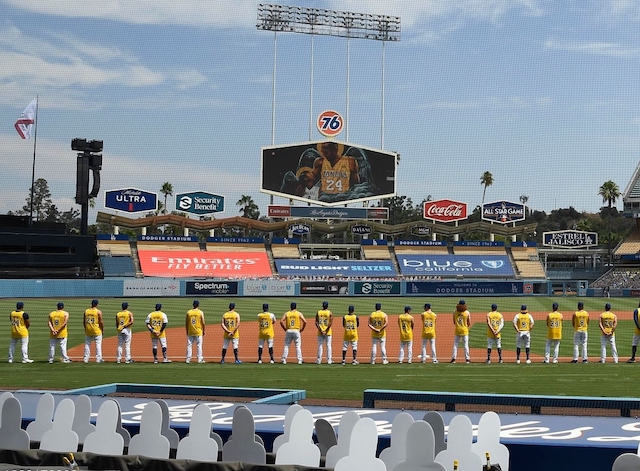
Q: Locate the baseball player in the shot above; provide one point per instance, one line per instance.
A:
(58, 321)
(636, 336)
(293, 323)
(124, 321)
(350, 322)
(554, 334)
(523, 323)
(266, 333)
(20, 324)
(495, 323)
(195, 329)
(462, 321)
(378, 322)
(93, 328)
(324, 320)
(428, 318)
(230, 324)
(608, 323)
(156, 324)
(580, 322)
(405, 322)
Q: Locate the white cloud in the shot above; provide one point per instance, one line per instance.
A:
(599, 48)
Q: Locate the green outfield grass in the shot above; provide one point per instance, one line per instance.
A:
(335, 381)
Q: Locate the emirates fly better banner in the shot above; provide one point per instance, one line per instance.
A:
(173, 264)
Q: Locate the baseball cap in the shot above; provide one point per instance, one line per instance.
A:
(60, 305)
(325, 304)
(19, 305)
(94, 302)
(125, 305)
(462, 301)
(158, 306)
(427, 306)
(523, 307)
(555, 305)
(378, 306)
(407, 308)
(494, 306)
(293, 305)
(232, 305)
(607, 306)
(351, 308)
(580, 305)
(265, 307)
(196, 303)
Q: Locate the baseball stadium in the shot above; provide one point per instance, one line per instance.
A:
(330, 333)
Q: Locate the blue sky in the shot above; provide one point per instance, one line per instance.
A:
(543, 94)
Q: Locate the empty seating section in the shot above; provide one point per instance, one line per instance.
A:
(169, 246)
(285, 250)
(222, 247)
(530, 269)
(472, 250)
(631, 245)
(524, 253)
(376, 252)
(118, 266)
(114, 248)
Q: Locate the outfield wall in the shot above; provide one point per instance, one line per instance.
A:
(156, 287)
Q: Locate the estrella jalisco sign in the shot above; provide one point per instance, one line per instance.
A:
(199, 202)
(131, 200)
(570, 238)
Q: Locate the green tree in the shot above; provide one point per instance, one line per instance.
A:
(610, 193)
(166, 190)
(486, 180)
(41, 200)
(248, 207)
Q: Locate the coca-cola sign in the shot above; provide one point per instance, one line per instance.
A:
(445, 210)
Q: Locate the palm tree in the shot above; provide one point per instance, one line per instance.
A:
(610, 193)
(486, 180)
(166, 190)
(248, 207)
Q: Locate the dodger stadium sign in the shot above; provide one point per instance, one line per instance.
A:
(570, 239)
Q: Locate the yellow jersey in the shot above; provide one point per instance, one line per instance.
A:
(495, 321)
(57, 320)
(405, 322)
(460, 320)
(292, 320)
(231, 320)
(523, 322)
(429, 324)
(608, 320)
(377, 320)
(581, 321)
(194, 322)
(554, 326)
(636, 330)
(335, 179)
(324, 315)
(350, 323)
(265, 322)
(123, 318)
(155, 320)
(18, 327)
(92, 322)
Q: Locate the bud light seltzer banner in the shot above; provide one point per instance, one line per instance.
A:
(503, 212)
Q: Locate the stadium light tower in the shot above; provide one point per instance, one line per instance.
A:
(312, 21)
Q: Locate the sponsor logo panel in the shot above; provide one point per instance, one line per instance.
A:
(131, 200)
(503, 212)
(373, 268)
(151, 287)
(268, 288)
(376, 287)
(452, 265)
(326, 288)
(570, 239)
(199, 202)
(445, 210)
(463, 288)
(211, 288)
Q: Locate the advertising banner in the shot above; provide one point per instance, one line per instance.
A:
(199, 202)
(368, 288)
(329, 173)
(568, 239)
(150, 287)
(167, 238)
(463, 288)
(425, 243)
(445, 210)
(503, 212)
(211, 288)
(131, 200)
(325, 288)
(373, 268)
(188, 264)
(310, 212)
(454, 265)
(268, 288)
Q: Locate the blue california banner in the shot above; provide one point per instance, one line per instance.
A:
(373, 268)
(454, 265)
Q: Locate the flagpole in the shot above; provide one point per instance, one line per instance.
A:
(33, 167)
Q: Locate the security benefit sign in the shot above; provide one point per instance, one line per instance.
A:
(131, 200)
(211, 288)
(568, 239)
(374, 268)
(187, 264)
(329, 173)
(503, 212)
(368, 288)
(199, 202)
(453, 265)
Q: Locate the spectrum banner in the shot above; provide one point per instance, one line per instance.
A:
(453, 265)
(374, 268)
(211, 288)
(463, 288)
(187, 264)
